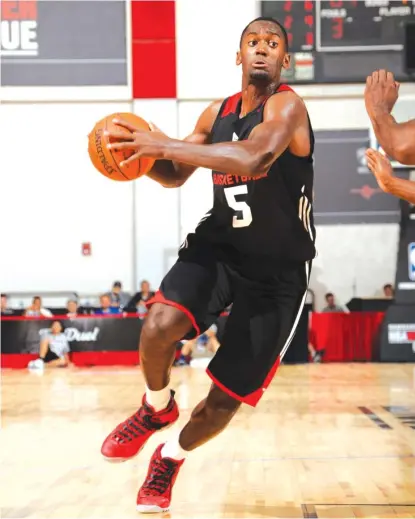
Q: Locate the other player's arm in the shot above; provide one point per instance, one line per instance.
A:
(397, 139)
(380, 166)
(283, 115)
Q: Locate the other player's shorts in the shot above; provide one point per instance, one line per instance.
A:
(259, 329)
(50, 355)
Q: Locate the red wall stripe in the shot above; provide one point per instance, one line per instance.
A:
(153, 20)
(153, 49)
(79, 359)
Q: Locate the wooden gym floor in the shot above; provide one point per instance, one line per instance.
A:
(325, 441)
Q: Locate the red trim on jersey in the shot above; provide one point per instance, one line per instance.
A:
(252, 398)
(231, 104)
(159, 298)
(284, 88)
(281, 88)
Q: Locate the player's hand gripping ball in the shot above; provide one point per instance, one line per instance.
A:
(107, 161)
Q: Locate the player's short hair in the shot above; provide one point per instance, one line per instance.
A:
(267, 19)
(329, 294)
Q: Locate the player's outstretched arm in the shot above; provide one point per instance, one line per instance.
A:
(167, 172)
(174, 174)
(283, 114)
(397, 139)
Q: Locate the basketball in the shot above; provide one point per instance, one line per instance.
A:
(106, 161)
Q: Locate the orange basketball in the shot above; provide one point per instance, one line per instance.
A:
(108, 161)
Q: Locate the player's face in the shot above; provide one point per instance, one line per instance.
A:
(72, 307)
(263, 53)
(56, 328)
(105, 302)
(145, 287)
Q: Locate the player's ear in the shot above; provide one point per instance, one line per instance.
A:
(238, 58)
(286, 62)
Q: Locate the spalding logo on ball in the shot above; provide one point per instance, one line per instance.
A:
(108, 161)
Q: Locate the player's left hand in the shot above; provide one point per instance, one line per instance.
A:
(380, 166)
(144, 143)
(381, 92)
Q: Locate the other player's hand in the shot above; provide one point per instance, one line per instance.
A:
(381, 92)
(380, 166)
(144, 143)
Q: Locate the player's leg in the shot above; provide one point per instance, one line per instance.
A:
(47, 358)
(186, 350)
(258, 332)
(163, 327)
(60, 362)
(178, 308)
(212, 414)
(188, 347)
(212, 340)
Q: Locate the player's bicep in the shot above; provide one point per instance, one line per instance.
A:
(272, 136)
(281, 120)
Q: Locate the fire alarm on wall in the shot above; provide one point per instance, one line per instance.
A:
(86, 249)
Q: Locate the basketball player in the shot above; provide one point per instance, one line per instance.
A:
(396, 139)
(253, 248)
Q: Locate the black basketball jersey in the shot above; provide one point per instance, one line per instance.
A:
(269, 216)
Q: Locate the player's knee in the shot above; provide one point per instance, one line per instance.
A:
(165, 324)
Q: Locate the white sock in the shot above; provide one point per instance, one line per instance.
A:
(158, 399)
(172, 449)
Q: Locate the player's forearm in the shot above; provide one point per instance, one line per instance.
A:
(229, 157)
(168, 174)
(398, 140)
(402, 188)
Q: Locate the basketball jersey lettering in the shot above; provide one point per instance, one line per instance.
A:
(222, 179)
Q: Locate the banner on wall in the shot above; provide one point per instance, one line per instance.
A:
(345, 190)
(405, 265)
(63, 43)
(83, 334)
(398, 334)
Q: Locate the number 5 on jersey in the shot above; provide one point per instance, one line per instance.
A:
(243, 218)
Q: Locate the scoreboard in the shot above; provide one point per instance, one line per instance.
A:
(340, 41)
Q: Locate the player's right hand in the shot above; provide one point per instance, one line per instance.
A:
(381, 92)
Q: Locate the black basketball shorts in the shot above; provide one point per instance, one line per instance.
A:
(50, 355)
(259, 329)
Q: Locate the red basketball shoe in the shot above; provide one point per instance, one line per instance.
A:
(130, 436)
(155, 493)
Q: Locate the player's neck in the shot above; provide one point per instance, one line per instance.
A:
(254, 95)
